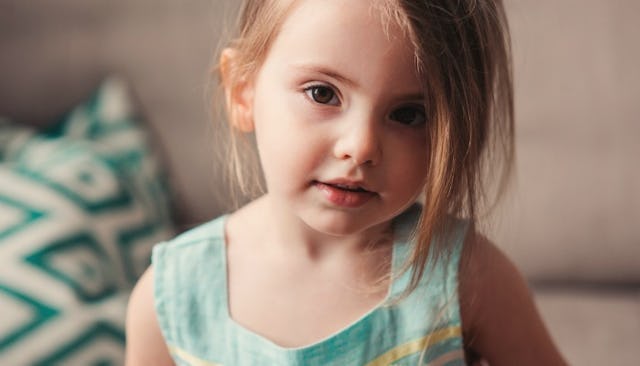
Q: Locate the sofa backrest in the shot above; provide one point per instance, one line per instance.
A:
(574, 210)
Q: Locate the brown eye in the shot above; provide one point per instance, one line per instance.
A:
(322, 94)
(409, 115)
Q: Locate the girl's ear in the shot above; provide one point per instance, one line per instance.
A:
(238, 92)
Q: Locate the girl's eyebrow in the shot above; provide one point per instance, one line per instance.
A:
(325, 71)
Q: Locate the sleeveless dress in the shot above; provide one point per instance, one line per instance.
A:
(190, 290)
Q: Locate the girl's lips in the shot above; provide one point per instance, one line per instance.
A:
(339, 195)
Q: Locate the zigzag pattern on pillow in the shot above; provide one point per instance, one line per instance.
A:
(81, 206)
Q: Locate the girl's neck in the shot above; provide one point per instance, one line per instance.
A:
(284, 233)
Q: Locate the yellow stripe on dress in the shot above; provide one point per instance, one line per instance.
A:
(446, 358)
(414, 346)
(190, 359)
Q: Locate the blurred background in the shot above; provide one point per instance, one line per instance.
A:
(94, 74)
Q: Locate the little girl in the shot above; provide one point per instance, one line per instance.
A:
(360, 109)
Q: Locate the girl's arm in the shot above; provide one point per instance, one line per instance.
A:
(499, 318)
(145, 345)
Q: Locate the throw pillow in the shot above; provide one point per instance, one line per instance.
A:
(81, 206)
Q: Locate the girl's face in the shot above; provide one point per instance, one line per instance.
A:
(339, 118)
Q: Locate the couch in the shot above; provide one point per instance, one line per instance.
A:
(571, 220)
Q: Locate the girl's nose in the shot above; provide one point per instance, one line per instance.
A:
(359, 142)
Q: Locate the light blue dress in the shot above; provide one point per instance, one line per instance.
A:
(191, 302)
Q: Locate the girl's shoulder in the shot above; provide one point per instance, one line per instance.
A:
(143, 331)
(499, 317)
(488, 280)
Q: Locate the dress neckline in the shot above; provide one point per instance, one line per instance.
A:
(402, 230)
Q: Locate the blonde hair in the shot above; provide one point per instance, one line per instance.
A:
(462, 54)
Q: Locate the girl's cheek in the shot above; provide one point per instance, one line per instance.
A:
(414, 136)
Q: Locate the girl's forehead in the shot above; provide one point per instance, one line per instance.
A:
(354, 14)
(351, 37)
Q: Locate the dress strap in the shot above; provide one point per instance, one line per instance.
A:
(440, 276)
(190, 291)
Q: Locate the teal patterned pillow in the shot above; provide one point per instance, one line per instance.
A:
(81, 206)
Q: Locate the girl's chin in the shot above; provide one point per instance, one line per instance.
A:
(341, 224)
